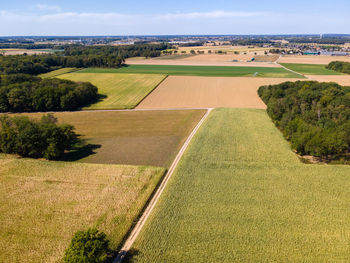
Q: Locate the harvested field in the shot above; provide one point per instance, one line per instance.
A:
(213, 71)
(310, 69)
(17, 51)
(240, 194)
(341, 80)
(265, 58)
(130, 137)
(206, 60)
(121, 91)
(199, 92)
(312, 59)
(44, 203)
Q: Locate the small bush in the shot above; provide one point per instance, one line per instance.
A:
(89, 246)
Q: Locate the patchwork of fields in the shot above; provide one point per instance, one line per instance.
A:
(130, 137)
(241, 195)
(119, 91)
(213, 71)
(201, 92)
(44, 203)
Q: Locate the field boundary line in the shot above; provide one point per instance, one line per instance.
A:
(277, 62)
(149, 93)
(147, 212)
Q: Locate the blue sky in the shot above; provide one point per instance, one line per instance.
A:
(153, 17)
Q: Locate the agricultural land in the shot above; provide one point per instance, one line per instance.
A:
(118, 91)
(129, 137)
(44, 203)
(310, 69)
(213, 71)
(241, 195)
(208, 92)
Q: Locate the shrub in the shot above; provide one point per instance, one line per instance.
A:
(89, 246)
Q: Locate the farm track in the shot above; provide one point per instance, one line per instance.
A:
(277, 62)
(138, 227)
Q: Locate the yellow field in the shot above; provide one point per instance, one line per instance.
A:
(44, 203)
(120, 91)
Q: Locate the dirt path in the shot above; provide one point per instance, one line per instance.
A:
(277, 62)
(136, 230)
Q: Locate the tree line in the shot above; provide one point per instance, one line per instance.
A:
(340, 66)
(78, 57)
(35, 139)
(27, 93)
(314, 116)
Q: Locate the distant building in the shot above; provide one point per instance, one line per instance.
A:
(315, 53)
(334, 53)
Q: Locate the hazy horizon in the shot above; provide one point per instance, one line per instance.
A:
(116, 18)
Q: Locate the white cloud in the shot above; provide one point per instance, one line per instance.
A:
(208, 15)
(44, 7)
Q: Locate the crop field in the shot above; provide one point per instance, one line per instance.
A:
(309, 69)
(130, 137)
(119, 91)
(44, 203)
(312, 59)
(340, 79)
(200, 92)
(58, 72)
(241, 195)
(213, 71)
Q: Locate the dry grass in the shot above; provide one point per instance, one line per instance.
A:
(44, 203)
(341, 80)
(265, 58)
(56, 73)
(196, 92)
(131, 137)
(299, 59)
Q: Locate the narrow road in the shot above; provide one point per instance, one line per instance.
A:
(276, 62)
(136, 230)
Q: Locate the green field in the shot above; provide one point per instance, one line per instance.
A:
(58, 72)
(241, 195)
(44, 203)
(214, 71)
(119, 91)
(310, 69)
(130, 137)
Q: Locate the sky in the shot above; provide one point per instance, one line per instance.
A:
(176, 17)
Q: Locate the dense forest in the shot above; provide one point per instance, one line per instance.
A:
(314, 116)
(26, 93)
(35, 139)
(78, 57)
(343, 67)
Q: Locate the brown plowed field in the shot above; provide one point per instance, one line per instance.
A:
(340, 79)
(312, 59)
(208, 92)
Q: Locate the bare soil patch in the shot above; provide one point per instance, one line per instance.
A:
(340, 79)
(209, 92)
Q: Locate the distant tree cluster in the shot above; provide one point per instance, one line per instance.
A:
(314, 116)
(35, 139)
(318, 40)
(78, 57)
(343, 67)
(251, 42)
(26, 93)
